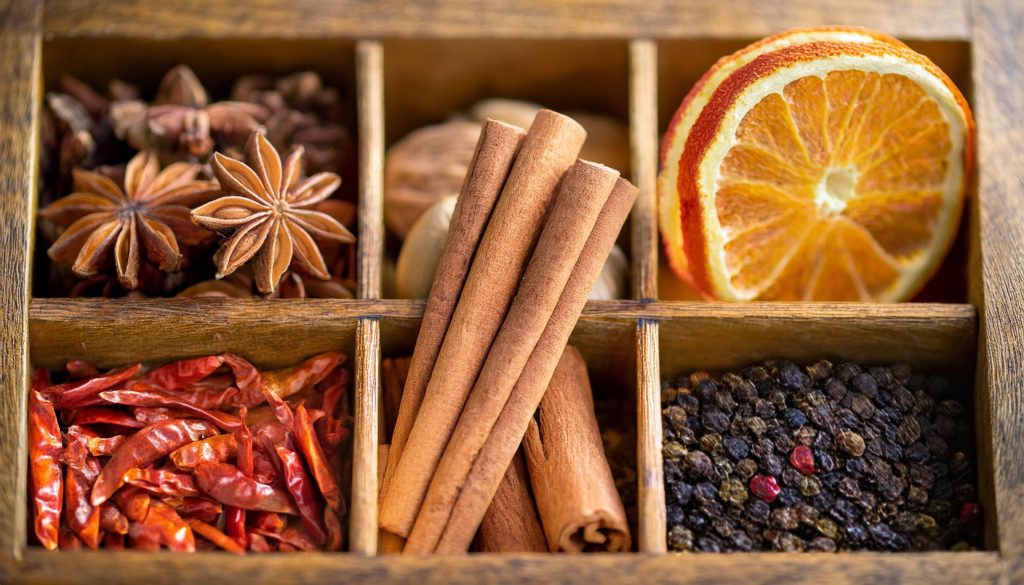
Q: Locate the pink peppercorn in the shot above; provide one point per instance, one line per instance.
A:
(970, 516)
(765, 487)
(803, 460)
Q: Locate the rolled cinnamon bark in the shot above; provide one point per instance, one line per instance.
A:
(496, 150)
(582, 195)
(492, 461)
(548, 150)
(511, 524)
(579, 506)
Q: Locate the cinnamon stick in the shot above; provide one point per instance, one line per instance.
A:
(496, 151)
(387, 543)
(511, 524)
(580, 508)
(492, 461)
(580, 199)
(548, 150)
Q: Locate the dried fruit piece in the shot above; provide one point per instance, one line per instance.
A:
(827, 169)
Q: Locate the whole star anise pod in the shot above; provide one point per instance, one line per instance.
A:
(266, 211)
(181, 119)
(151, 214)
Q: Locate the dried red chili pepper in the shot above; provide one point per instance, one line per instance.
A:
(234, 520)
(44, 451)
(113, 541)
(68, 540)
(247, 379)
(179, 374)
(144, 447)
(133, 503)
(227, 484)
(142, 536)
(301, 488)
(259, 544)
(331, 433)
(151, 398)
(270, 521)
(82, 470)
(112, 520)
(308, 444)
(105, 446)
(174, 532)
(81, 369)
(164, 482)
(287, 381)
(291, 537)
(334, 387)
(264, 467)
(282, 411)
(86, 392)
(215, 449)
(215, 536)
(101, 415)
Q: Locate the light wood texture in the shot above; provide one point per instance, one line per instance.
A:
(20, 61)
(998, 62)
(567, 54)
(370, 101)
(643, 136)
(493, 18)
(88, 568)
(651, 488)
(363, 509)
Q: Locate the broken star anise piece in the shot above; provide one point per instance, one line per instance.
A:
(151, 212)
(181, 119)
(266, 211)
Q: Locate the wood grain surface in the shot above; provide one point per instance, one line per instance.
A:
(20, 61)
(88, 568)
(998, 65)
(643, 56)
(643, 134)
(363, 509)
(496, 18)
(370, 104)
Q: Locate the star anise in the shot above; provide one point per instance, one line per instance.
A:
(181, 119)
(151, 212)
(266, 211)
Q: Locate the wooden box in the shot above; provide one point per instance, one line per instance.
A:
(408, 63)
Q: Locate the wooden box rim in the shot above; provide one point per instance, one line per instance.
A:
(989, 27)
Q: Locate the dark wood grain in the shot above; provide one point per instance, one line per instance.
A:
(19, 118)
(741, 569)
(497, 18)
(998, 66)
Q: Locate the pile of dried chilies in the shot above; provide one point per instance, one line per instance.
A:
(208, 447)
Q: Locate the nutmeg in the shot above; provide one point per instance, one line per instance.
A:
(428, 164)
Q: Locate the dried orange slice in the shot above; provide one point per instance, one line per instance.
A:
(817, 170)
(693, 104)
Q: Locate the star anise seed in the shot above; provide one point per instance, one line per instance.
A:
(266, 212)
(152, 210)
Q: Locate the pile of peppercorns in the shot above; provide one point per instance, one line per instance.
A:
(780, 457)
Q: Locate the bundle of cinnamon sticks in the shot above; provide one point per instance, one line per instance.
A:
(530, 233)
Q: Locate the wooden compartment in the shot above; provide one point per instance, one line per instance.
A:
(633, 341)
